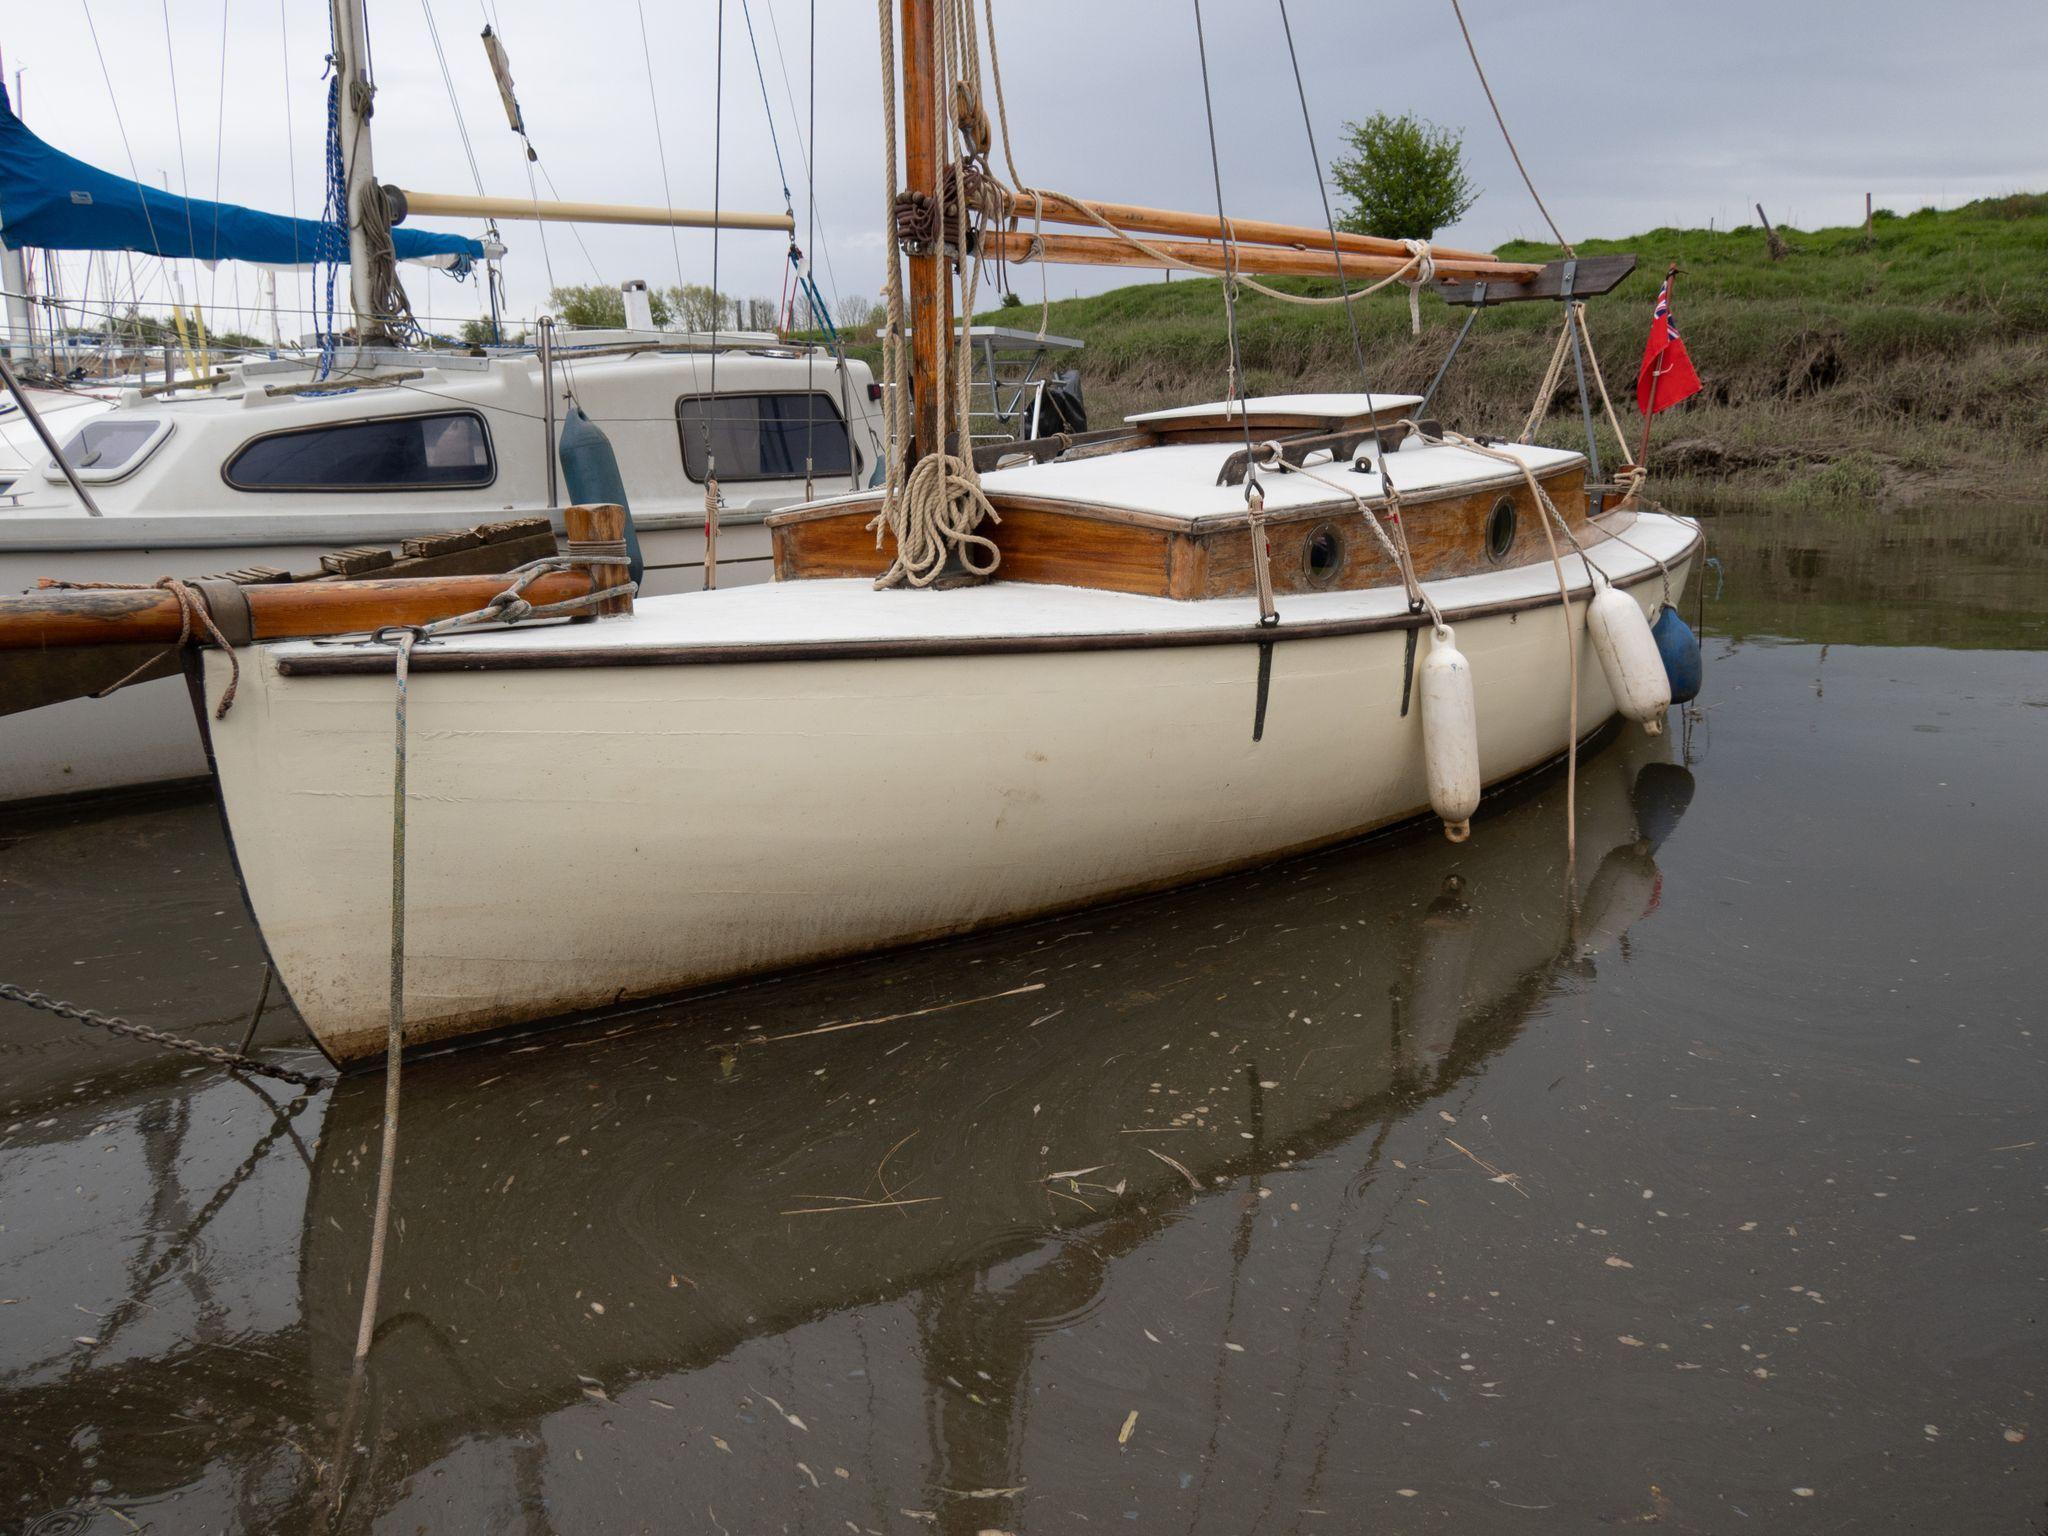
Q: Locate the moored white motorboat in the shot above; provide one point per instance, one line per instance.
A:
(741, 781)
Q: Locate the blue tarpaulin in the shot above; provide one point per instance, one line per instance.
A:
(56, 203)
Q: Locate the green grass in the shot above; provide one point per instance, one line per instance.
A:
(1912, 365)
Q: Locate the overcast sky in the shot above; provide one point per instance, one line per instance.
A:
(1630, 116)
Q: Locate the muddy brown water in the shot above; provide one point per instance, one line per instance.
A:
(1382, 1190)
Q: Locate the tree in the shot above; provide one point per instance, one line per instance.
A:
(857, 314)
(1405, 177)
(596, 306)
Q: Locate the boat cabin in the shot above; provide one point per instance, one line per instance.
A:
(1159, 507)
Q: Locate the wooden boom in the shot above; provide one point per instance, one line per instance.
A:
(1262, 260)
(1057, 208)
(456, 205)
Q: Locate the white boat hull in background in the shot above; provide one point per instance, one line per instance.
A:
(582, 835)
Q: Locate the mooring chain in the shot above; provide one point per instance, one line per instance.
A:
(115, 1319)
(220, 1055)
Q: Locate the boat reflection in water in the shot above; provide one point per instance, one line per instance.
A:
(791, 1259)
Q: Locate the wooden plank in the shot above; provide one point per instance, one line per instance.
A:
(1048, 541)
(280, 611)
(1027, 208)
(1446, 538)
(1595, 275)
(1211, 256)
(1047, 547)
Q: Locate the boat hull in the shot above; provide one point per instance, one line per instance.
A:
(143, 734)
(582, 836)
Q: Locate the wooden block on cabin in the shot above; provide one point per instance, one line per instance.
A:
(353, 562)
(441, 544)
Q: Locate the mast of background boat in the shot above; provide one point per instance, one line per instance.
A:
(14, 275)
(356, 103)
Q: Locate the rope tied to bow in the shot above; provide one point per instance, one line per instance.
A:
(193, 617)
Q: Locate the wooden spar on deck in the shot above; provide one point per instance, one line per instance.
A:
(453, 205)
(1133, 219)
(62, 617)
(1262, 260)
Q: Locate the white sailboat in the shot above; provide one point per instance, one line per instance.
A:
(270, 462)
(1222, 635)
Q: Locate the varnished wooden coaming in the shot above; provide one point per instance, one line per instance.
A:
(1082, 544)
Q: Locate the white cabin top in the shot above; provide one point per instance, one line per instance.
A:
(1178, 480)
(1282, 411)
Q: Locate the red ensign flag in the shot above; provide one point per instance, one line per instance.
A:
(1667, 375)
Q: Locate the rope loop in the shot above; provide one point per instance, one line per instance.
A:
(1421, 269)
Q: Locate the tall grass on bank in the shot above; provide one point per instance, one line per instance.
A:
(1909, 365)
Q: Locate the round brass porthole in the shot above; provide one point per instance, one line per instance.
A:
(1322, 554)
(1500, 530)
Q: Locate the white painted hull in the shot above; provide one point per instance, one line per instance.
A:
(584, 835)
(144, 734)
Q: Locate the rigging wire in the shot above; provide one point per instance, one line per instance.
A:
(114, 101)
(1565, 244)
(660, 146)
(1237, 379)
(476, 174)
(291, 152)
(774, 141)
(717, 192)
(220, 120)
(178, 122)
(1329, 219)
(807, 152)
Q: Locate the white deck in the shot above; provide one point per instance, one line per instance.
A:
(852, 610)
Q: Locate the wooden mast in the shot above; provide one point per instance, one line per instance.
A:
(931, 291)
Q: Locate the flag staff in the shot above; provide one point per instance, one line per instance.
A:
(1650, 415)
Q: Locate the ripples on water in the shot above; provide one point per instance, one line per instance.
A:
(1387, 1189)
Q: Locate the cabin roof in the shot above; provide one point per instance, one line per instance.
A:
(1178, 480)
(1282, 409)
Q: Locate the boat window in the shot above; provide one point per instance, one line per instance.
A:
(1322, 554)
(763, 437)
(442, 451)
(1500, 530)
(109, 447)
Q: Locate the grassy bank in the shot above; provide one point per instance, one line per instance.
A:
(1909, 367)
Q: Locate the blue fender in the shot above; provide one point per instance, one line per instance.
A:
(1680, 649)
(591, 469)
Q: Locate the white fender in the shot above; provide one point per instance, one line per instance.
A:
(1450, 735)
(1628, 655)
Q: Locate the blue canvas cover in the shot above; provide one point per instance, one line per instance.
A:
(56, 203)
